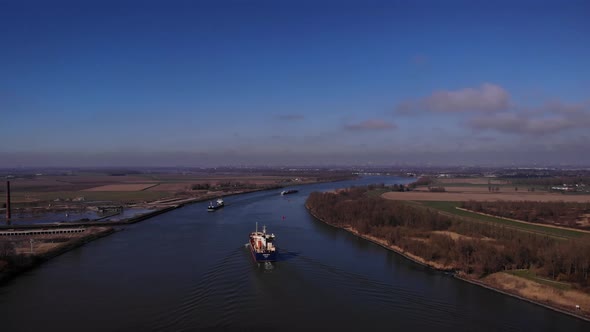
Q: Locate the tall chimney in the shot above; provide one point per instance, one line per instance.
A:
(7, 200)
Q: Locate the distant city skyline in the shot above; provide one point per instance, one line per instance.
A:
(209, 83)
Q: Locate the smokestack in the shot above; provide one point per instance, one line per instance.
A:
(7, 200)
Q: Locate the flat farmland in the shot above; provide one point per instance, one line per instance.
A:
(49, 188)
(477, 181)
(115, 196)
(472, 189)
(87, 187)
(213, 178)
(67, 183)
(123, 187)
(538, 228)
(83, 178)
(484, 196)
(170, 187)
(45, 184)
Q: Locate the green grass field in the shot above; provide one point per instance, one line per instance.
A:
(528, 274)
(450, 207)
(174, 178)
(482, 185)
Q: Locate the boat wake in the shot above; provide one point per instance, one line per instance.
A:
(381, 295)
(216, 299)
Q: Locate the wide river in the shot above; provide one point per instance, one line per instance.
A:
(189, 270)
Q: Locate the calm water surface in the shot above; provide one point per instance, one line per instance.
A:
(188, 270)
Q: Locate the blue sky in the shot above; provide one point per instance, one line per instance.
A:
(205, 83)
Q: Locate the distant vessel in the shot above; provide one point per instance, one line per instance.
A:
(218, 205)
(262, 246)
(287, 192)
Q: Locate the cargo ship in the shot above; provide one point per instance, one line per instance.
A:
(218, 205)
(287, 192)
(262, 246)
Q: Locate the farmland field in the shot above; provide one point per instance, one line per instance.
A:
(484, 196)
(123, 187)
(451, 208)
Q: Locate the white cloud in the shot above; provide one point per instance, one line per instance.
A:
(487, 98)
(550, 118)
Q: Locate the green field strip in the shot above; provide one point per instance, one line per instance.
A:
(451, 208)
(528, 274)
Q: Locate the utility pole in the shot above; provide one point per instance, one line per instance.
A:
(7, 200)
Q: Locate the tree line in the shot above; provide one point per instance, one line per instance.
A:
(422, 181)
(480, 249)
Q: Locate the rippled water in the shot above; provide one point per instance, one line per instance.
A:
(189, 270)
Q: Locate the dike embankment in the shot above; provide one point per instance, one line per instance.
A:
(21, 263)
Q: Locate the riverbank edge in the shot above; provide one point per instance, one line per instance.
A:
(505, 292)
(37, 260)
(421, 261)
(248, 191)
